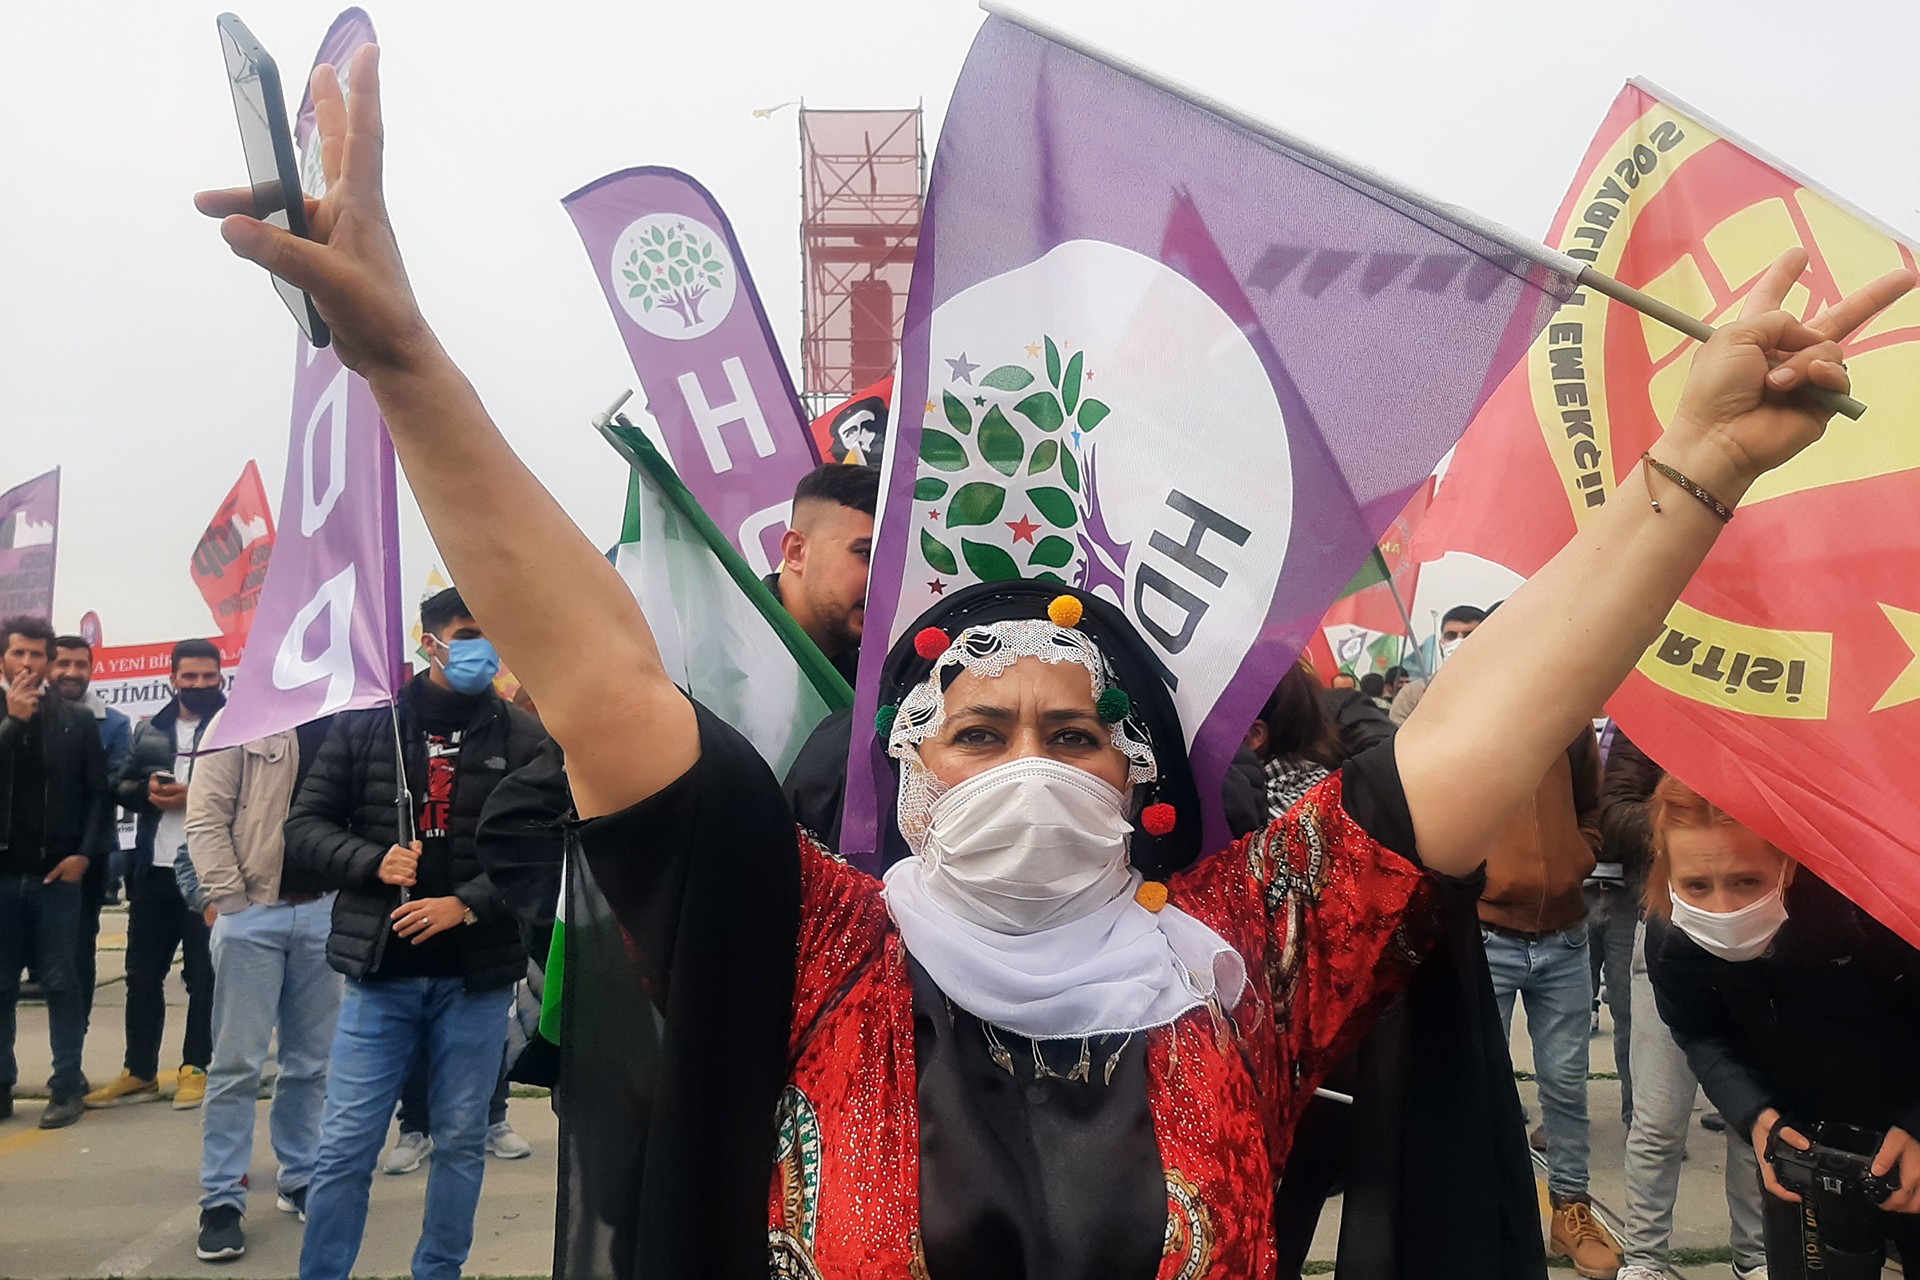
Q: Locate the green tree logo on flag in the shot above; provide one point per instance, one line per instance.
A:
(673, 276)
(1006, 485)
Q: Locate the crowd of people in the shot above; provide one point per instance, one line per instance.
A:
(914, 1074)
(268, 871)
(359, 943)
(368, 950)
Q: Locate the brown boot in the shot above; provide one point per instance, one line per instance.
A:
(1578, 1236)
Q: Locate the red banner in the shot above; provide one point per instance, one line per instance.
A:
(855, 430)
(230, 561)
(1381, 607)
(1785, 686)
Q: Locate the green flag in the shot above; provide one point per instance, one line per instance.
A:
(722, 634)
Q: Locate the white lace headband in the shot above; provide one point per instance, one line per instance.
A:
(987, 651)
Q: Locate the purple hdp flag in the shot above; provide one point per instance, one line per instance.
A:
(1165, 355)
(29, 529)
(679, 289)
(327, 633)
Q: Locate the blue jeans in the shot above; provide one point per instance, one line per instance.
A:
(270, 972)
(1552, 972)
(1612, 916)
(49, 915)
(381, 1024)
(1657, 1143)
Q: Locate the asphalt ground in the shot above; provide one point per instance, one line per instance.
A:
(115, 1195)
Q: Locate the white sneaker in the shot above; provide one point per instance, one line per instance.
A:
(505, 1144)
(1638, 1272)
(407, 1154)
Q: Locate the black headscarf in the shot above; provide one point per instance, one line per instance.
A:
(1135, 669)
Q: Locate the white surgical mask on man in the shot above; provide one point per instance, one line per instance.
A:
(1734, 935)
(1028, 844)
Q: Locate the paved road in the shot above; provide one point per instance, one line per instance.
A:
(114, 1195)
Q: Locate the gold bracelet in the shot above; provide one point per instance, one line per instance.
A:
(1707, 500)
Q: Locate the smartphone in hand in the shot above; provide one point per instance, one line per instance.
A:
(273, 169)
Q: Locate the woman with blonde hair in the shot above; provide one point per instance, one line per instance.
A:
(1800, 1014)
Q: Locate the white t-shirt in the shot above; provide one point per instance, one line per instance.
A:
(171, 836)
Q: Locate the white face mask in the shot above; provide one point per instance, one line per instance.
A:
(1027, 844)
(1733, 935)
(1450, 647)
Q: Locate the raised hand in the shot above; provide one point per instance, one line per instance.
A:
(23, 698)
(1740, 415)
(352, 265)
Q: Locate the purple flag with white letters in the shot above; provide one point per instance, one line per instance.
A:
(679, 289)
(327, 632)
(1154, 351)
(29, 528)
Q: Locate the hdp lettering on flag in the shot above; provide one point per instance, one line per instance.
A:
(1785, 686)
(327, 627)
(679, 290)
(1157, 355)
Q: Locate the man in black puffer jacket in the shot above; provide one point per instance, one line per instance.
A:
(429, 951)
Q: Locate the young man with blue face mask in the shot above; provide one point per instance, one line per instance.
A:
(429, 952)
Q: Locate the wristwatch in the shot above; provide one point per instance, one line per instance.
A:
(467, 916)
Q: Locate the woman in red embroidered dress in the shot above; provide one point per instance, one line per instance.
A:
(1017, 1057)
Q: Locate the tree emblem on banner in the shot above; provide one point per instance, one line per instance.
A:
(673, 276)
(1006, 485)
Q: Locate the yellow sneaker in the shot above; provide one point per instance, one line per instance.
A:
(192, 1089)
(126, 1089)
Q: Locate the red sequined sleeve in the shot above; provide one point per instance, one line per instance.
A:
(843, 928)
(1321, 912)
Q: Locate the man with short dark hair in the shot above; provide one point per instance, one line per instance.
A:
(160, 923)
(1373, 686)
(1395, 681)
(429, 951)
(53, 801)
(822, 578)
(71, 676)
(1456, 624)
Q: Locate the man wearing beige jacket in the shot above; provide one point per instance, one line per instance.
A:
(270, 971)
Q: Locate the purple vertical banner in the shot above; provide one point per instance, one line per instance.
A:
(678, 286)
(327, 633)
(29, 528)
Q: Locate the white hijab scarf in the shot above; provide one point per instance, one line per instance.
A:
(1019, 900)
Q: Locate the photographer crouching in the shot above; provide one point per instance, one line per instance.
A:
(1800, 1014)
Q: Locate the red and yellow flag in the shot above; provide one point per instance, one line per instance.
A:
(1786, 684)
(1382, 606)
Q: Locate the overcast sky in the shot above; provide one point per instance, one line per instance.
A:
(146, 361)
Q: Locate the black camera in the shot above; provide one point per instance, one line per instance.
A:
(1839, 1164)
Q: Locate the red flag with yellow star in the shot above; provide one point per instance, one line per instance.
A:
(1786, 684)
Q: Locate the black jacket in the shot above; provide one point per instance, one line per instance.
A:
(150, 750)
(77, 813)
(1626, 834)
(344, 821)
(523, 843)
(1824, 1026)
(1358, 721)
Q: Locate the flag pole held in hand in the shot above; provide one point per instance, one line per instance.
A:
(1524, 246)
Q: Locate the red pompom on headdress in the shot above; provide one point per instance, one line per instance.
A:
(931, 642)
(1157, 819)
